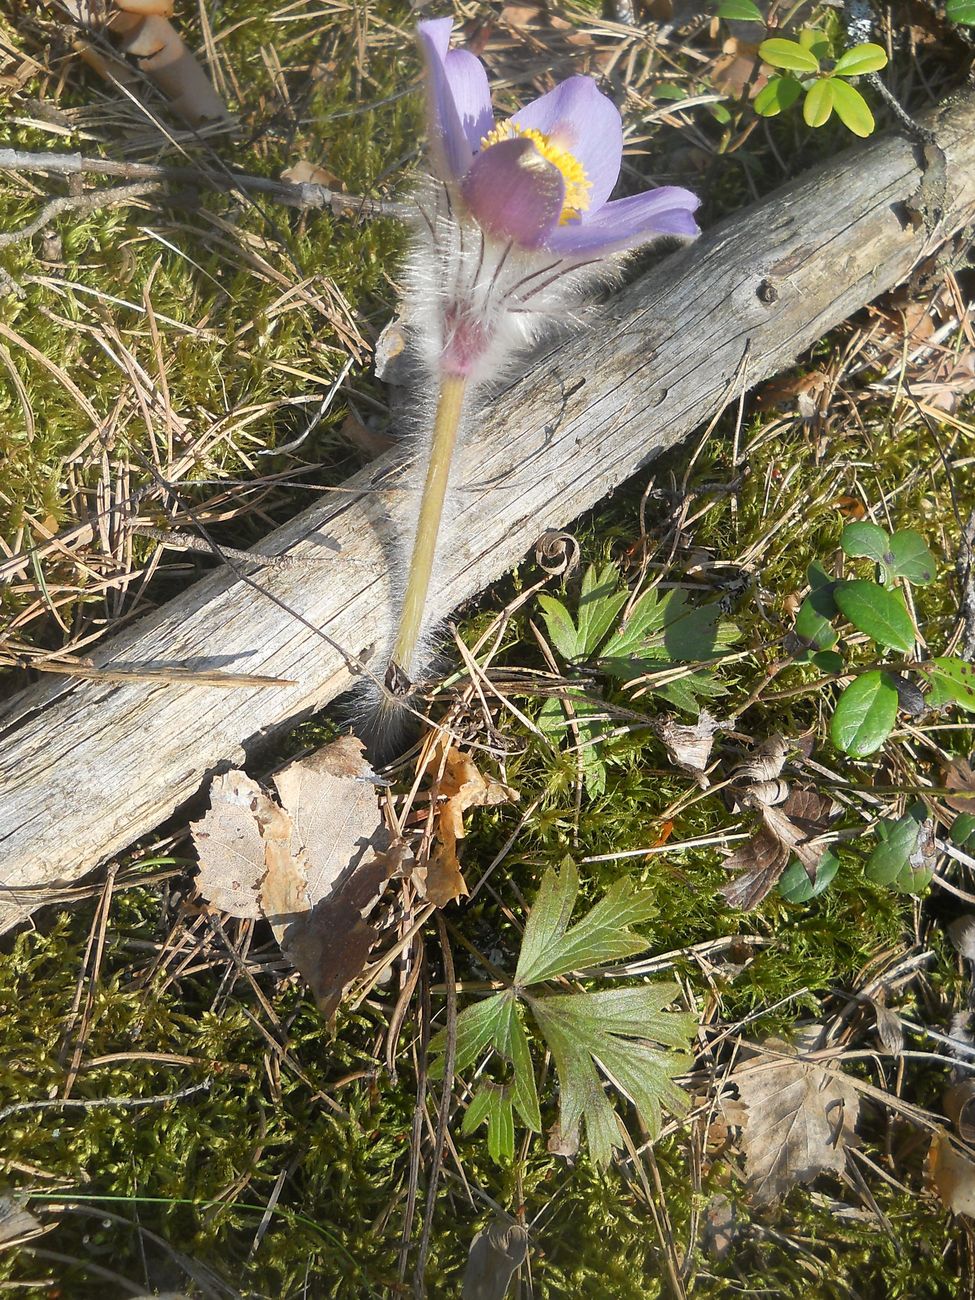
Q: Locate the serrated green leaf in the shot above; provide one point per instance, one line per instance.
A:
(864, 714)
(478, 1028)
(961, 11)
(493, 1103)
(665, 627)
(860, 60)
(818, 104)
(551, 948)
(778, 94)
(867, 540)
(559, 625)
(952, 682)
(911, 559)
(601, 600)
(687, 692)
(553, 720)
(742, 11)
(852, 109)
(586, 1031)
(795, 885)
(881, 614)
(792, 56)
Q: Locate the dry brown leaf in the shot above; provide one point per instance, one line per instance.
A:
(889, 1028)
(765, 762)
(734, 72)
(463, 786)
(331, 799)
(284, 890)
(959, 1106)
(495, 1253)
(959, 777)
(307, 173)
(796, 826)
(689, 748)
(796, 1118)
(952, 1175)
(16, 1224)
(230, 846)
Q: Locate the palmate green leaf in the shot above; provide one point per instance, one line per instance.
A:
(865, 714)
(551, 947)
(601, 601)
(792, 56)
(608, 1033)
(881, 614)
(852, 109)
(493, 1102)
(495, 1022)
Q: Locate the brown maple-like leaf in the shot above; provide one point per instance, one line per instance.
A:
(795, 826)
(440, 878)
(796, 1117)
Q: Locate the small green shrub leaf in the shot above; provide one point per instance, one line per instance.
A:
(852, 109)
(742, 11)
(795, 885)
(904, 854)
(813, 627)
(910, 558)
(962, 829)
(952, 682)
(818, 105)
(777, 95)
(961, 11)
(867, 540)
(861, 59)
(827, 661)
(779, 53)
(864, 714)
(881, 614)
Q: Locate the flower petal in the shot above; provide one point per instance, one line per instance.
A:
(514, 193)
(628, 223)
(472, 96)
(581, 119)
(450, 149)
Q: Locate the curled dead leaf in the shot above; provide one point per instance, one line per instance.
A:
(795, 826)
(952, 1175)
(689, 747)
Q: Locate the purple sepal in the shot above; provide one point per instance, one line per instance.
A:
(580, 118)
(514, 193)
(628, 223)
(450, 147)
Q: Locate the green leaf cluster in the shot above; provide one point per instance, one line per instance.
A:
(623, 1036)
(662, 631)
(827, 90)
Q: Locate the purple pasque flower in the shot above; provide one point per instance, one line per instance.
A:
(542, 179)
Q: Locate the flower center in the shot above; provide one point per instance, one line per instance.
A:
(577, 183)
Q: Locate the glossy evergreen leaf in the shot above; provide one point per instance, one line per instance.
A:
(818, 104)
(852, 109)
(952, 682)
(795, 885)
(881, 614)
(962, 829)
(792, 56)
(828, 662)
(814, 628)
(742, 11)
(860, 60)
(864, 715)
(778, 94)
(910, 558)
(904, 853)
(867, 540)
(961, 11)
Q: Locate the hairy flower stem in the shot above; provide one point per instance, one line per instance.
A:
(450, 403)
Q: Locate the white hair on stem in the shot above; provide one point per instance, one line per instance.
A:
(472, 306)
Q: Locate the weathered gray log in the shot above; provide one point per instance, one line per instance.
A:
(89, 766)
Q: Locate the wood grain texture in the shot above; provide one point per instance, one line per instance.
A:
(87, 767)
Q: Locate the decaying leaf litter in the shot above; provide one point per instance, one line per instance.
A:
(188, 955)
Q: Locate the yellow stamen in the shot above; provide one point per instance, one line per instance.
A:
(577, 183)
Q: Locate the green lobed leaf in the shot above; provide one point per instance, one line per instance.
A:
(861, 59)
(551, 948)
(864, 714)
(952, 682)
(553, 720)
(818, 104)
(852, 109)
(792, 56)
(910, 558)
(493, 1103)
(601, 600)
(795, 885)
(866, 539)
(961, 11)
(742, 11)
(778, 94)
(881, 614)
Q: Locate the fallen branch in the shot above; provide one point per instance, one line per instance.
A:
(87, 768)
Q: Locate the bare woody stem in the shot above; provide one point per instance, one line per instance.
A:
(450, 403)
